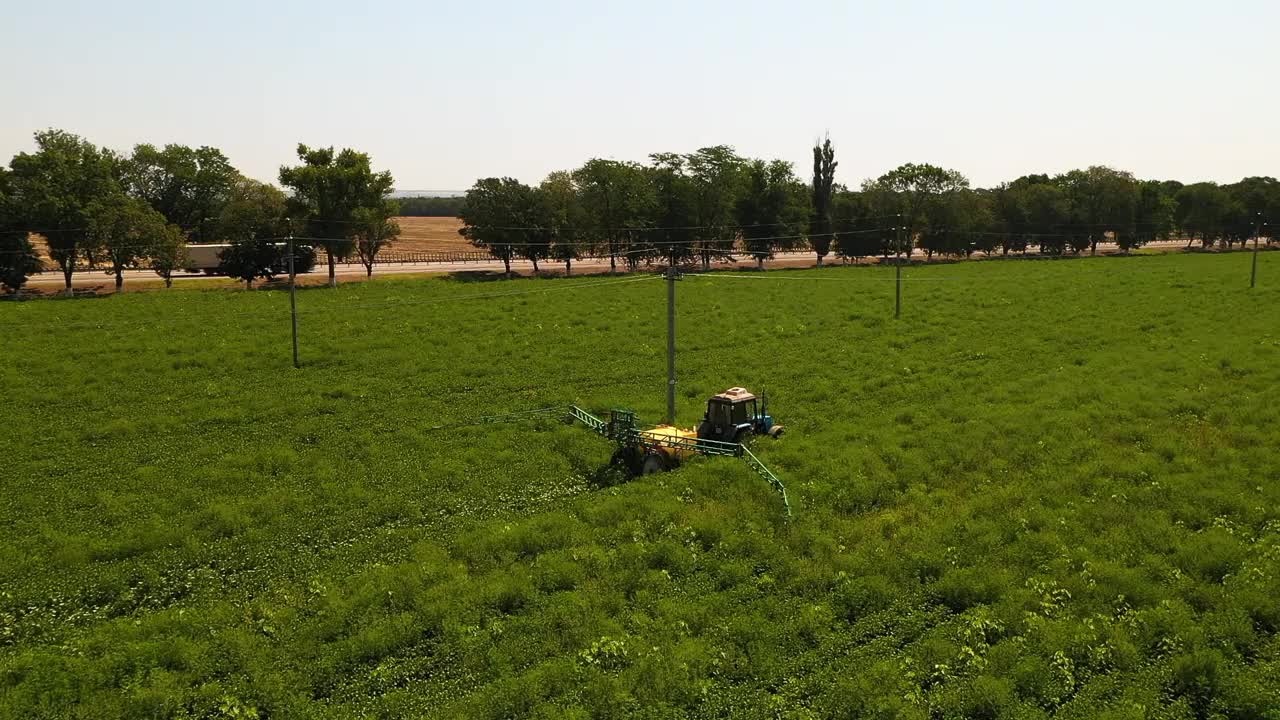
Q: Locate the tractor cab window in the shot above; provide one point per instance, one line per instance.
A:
(720, 413)
(729, 414)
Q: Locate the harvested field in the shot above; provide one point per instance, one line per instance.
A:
(430, 234)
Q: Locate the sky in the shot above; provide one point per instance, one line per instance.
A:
(441, 94)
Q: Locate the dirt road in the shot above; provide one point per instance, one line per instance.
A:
(101, 282)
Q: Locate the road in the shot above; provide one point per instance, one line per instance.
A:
(345, 271)
(103, 282)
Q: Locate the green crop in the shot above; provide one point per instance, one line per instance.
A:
(1049, 489)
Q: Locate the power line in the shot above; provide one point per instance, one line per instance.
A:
(83, 250)
(270, 314)
(482, 296)
(799, 279)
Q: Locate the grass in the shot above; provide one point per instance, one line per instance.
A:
(1048, 490)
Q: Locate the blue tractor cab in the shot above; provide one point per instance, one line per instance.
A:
(735, 415)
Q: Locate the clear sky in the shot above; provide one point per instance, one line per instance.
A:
(444, 93)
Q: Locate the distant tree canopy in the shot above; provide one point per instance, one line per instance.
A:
(713, 203)
(87, 206)
(431, 206)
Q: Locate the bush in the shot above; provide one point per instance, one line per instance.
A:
(1211, 555)
(18, 260)
(508, 592)
(982, 698)
(964, 588)
(860, 596)
(881, 692)
(1198, 678)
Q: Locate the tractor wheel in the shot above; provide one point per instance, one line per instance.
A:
(743, 436)
(629, 459)
(653, 463)
(775, 431)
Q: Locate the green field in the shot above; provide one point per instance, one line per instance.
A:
(1049, 489)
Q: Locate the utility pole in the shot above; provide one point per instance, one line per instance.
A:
(897, 273)
(671, 340)
(293, 300)
(1253, 274)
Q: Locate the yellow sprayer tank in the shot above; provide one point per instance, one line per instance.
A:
(674, 450)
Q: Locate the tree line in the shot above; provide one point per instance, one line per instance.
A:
(120, 211)
(98, 207)
(431, 206)
(714, 203)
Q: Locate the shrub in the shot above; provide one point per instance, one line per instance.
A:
(1212, 554)
(982, 698)
(881, 692)
(860, 596)
(964, 588)
(1198, 678)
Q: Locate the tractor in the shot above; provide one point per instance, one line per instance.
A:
(732, 418)
(735, 415)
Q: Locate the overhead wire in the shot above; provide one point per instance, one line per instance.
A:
(700, 245)
(203, 317)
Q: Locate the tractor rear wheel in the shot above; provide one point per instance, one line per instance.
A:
(743, 436)
(629, 459)
(653, 463)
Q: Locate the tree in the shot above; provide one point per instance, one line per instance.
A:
(1103, 200)
(773, 210)
(18, 260)
(253, 220)
(617, 199)
(1203, 210)
(563, 216)
(248, 259)
(54, 187)
(1253, 201)
(1009, 218)
(958, 218)
(189, 186)
(124, 229)
(431, 206)
(717, 178)
(914, 192)
(18, 257)
(1155, 214)
(168, 253)
(502, 215)
(375, 228)
(824, 176)
(254, 210)
(328, 189)
(674, 208)
(1046, 208)
(858, 235)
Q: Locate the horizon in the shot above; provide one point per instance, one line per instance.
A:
(995, 92)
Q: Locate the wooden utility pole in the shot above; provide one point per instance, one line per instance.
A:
(897, 275)
(1257, 232)
(293, 301)
(671, 341)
